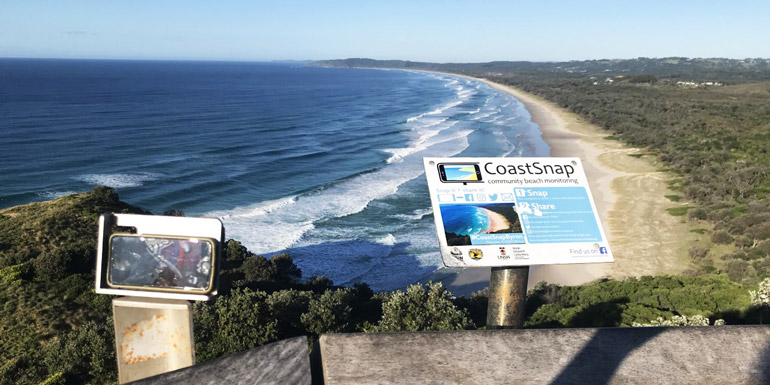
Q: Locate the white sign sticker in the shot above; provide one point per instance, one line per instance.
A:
(514, 212)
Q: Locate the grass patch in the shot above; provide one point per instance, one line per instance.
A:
(611, 137)
(678, 211)
(674, 198)
(675, 184)
(699, 231)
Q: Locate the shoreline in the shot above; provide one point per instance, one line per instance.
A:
(497, 221)
(629, 195)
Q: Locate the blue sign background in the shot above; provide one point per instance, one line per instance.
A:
(557, 215)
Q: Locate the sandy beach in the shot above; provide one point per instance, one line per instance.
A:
(497, 222)
(629, 192)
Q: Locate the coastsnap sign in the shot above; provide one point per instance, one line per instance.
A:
(514, 212)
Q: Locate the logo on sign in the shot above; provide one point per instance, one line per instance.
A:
(475, 254)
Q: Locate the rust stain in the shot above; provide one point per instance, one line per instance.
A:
(151, 339)
(147, 340)
(130, 330)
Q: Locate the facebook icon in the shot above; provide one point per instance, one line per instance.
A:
(602, 250)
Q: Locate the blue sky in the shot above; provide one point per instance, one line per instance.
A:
(438, 31)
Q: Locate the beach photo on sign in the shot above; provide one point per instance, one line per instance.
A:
(461, 221)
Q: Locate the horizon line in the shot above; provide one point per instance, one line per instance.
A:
(364, 58)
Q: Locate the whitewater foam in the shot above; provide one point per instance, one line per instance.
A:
(415, 215)
(277, 225)
(419, 144)
(437, 111)
(119, 180)
(388, 240)
(319, 229)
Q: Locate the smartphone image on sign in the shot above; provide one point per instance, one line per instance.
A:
(459, 172)
(167, 263)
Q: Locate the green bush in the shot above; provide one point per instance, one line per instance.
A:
(697, 214)
(721, 237)
(285, 268)
(697, 253)
(621, 303)
(56, 379)
(422, 307)
(14, 274)
(286, 308)
(330, 312)
(233, 323)
(258, 269)
(87, 352)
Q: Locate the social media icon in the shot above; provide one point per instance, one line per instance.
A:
(492, 197)
(481, 197)
(602, 250)
(507, 197)
(469, 197)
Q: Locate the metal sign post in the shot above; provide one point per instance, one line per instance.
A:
(507, 297)
(160, 263)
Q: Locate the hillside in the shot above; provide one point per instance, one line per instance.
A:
(54, 328)
(47, 259)
(726, 70)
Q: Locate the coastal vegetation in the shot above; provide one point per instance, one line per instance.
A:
(54, 329)
(714, 139)
(707, 120)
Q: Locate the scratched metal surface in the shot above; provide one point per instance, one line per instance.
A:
(152, 336)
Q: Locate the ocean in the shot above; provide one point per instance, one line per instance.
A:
(322, 163)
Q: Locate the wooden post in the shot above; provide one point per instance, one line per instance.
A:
(507, 297)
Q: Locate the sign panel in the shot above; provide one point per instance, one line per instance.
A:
(156, 256)
(514, 212)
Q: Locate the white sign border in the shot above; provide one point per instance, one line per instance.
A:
(540, 253)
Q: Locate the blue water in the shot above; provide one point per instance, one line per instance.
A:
(464, 219)
(323, 163)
